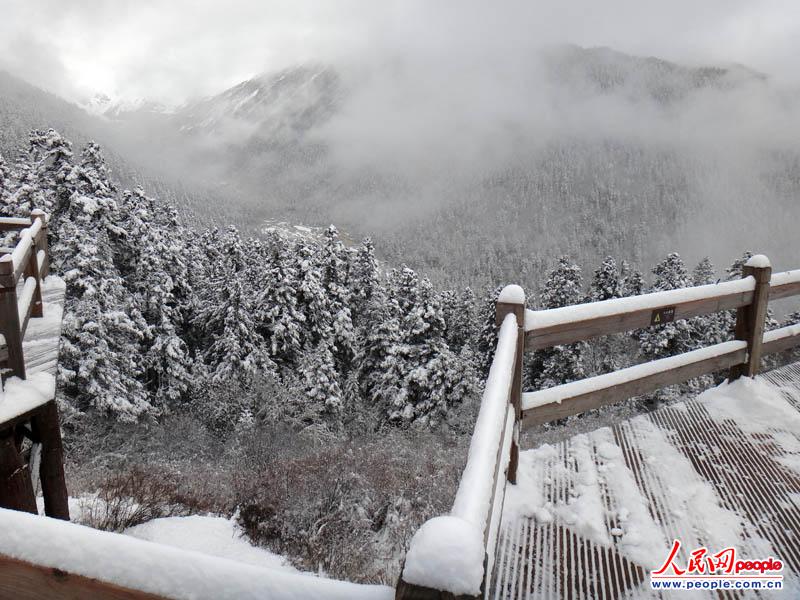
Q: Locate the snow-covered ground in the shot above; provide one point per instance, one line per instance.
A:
(208, 534)
(215, 536)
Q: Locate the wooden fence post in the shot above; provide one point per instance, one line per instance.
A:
(512, 301)
(750, 320)
(9, 317)
(41, 243)
(47, 431)
(16, 489)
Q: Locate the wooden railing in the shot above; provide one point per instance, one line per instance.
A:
(742, 356)
(22, 269)
(528, 330)
(28, 260)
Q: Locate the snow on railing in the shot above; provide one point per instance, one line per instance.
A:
(784, 285)
(542, 319)
(24, 245)
(26, 298)
(448, 553)
(83, 562)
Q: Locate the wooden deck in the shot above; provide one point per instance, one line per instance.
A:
(40, 346)
(593, 515)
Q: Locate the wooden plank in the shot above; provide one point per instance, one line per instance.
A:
(567, 333)
(23, 581)
(780, 344)
(642, 385)
(751, 321)
(14, 223)
(46, 429)
(785, 290)
(408, 591)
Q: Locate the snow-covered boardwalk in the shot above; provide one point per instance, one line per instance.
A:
(591, 516)
(712, 484)
(40, 346)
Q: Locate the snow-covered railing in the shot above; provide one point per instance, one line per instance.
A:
(593, 392)
(28, 260)
(27, 407)
(749, 295)
(47, 558)
(453, 555)
(545, 328)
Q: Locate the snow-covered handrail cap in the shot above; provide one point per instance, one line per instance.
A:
(759, 261)
(512, 294)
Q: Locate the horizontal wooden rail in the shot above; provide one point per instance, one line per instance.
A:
(579, 396)
(25, 581)
(779, 340)
(784, 285)
(570, 324)
(14, 223)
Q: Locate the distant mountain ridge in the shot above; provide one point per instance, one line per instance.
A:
(582, 180)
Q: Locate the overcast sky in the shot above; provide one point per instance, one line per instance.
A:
(170, 50)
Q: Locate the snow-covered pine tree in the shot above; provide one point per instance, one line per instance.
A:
(631, 281)
(604, 354)
(460, 318)
(713, 328)
(277, 311)
(234, 348)
(152, 258)
(53, 174)
(421, 377)
(564, 363)
(703, 273)
(606, 282)
(486, 342)
(364, 280)
(100, 362)
(331, 260)
(673, 338)
(381, 339)
(321, 382)
(5, 182)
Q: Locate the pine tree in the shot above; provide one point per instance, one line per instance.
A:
(421, 376)
(277, 311)
(364, 280)
(321, 381)
(100, 362)
(234, 348)
(486, 343)
(632, 281)
(606, 283)
(673, 338)
(564, 363)
(703, 273)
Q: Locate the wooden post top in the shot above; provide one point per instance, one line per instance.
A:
(511, 300)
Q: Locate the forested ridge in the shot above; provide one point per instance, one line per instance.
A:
(161, 317)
